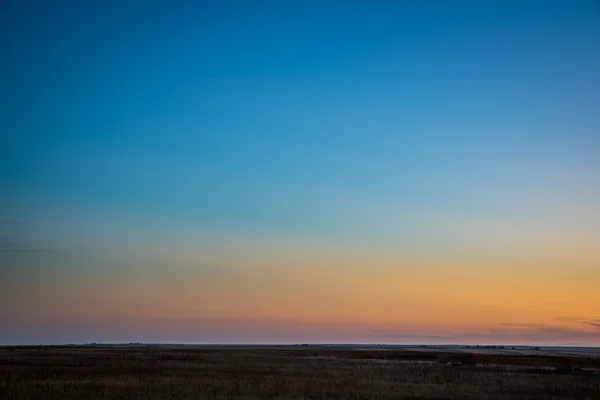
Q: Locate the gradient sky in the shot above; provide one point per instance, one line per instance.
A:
(299, 171)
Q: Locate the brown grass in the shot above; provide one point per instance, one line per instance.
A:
(94, 373)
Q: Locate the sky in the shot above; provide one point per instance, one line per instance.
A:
(300, 171)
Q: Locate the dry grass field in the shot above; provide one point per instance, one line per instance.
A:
(97, 373)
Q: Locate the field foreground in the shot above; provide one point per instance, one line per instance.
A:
(93, 373)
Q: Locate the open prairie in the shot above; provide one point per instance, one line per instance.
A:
(304, 373)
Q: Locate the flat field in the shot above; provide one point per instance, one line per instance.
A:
(132, 373)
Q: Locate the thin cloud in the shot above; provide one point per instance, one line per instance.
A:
(519, 325)
(27, 251)
(595, 323)
(394, 336)
(511, 333)
(545, 333)
(14, 222)
(9, 246)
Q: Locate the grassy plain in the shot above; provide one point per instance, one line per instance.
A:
(99, 373)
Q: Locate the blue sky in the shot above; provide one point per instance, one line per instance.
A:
(388, 127)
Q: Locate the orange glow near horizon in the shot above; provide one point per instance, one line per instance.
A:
(358, 298)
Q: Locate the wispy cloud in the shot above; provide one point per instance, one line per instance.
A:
(540, 333)
(27, 251)
(521, 325)
(409, 336)
(14, 222)
(509, 333)
(10, 246)
(595, 323)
